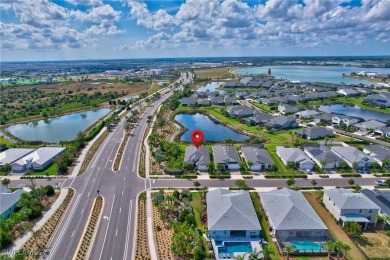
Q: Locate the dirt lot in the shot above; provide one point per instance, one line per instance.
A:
(216, 73)
(335, 230)
(375, 244)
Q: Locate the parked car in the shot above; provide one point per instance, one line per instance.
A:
(380, 182)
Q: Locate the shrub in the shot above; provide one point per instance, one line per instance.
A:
(49, 190)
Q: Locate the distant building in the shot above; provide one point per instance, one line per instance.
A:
(39, 160)
(380, 153)
(346, 120)
(322, 156)
(188, 101)
(307, 114)
(349, 92)
(287, 109)
(239, 111)
(314, 132)
(369, 124)
(282, 122)
(200, 157)
(378, 100)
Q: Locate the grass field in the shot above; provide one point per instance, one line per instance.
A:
(376, 245)
(264, 224)
(4, 141)
(335, 230)
(215, 73)
(52, 170)
(196, 204)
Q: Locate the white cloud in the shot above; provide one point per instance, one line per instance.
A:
(85, 2)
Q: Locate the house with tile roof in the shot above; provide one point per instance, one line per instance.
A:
(292, 219)
(8, 201)
(200, 157)
(295, 155)
(257, 157)
(347, 206)
(227, 156)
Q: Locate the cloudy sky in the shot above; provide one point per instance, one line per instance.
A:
(99, 29)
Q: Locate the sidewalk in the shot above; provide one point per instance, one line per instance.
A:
(81, 158)
(147, 148)
(149, 224)
(21, 241)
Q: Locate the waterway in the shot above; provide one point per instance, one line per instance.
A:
(326, 74)
(54, 130)
(212, 131)
(211, 87)
(355, 112)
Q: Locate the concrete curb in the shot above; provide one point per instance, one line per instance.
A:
(149, 225)
(85, 230)
(135, 228)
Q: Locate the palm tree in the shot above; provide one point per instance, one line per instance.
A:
(240, 257)
(338, 246)
(288, 249)
(378, 219)
(255, 255)
(329, 247)
(267, 252)
(346, 248)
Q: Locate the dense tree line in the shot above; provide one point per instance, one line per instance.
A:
(29, 207)
(17, 103)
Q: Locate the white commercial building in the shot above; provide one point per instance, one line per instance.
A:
(38, 160)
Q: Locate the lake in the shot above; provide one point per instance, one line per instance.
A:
(327, 74)
(355, 112)
(212, 131)
(211, 87)
(54, 130)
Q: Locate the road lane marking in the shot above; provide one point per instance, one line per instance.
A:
(120, 210)
(82, 211)
(145, 183)
(122, 193)
(88, 193)
(105, 236)
(72, 233)
(65, 226)
(93, 179)
(126, 167)
(124, 178)
(116, 232)
(128, 231)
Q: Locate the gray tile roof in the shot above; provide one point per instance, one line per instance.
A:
(380, 198)
(370, 124)
(315, 132)
(282, 121)
(256, 154)
(351, 154)
(293, 155)
(7, 200)
(41, 155)
(225, 154)
(379, 151)
(13, 154)
(322, 153)
(227, 210)
(202, 155)
(307, 113)
(346, 199)
(289, 210)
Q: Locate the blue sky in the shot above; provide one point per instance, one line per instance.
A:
(99, 29)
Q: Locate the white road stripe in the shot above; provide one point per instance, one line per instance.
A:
(116, 232)
(109, 220)
(88, 193)
(72, 233)
(128, 231)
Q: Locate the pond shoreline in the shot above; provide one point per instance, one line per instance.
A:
(7, 134)
(216, 121)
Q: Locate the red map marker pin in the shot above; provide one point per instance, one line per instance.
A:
(197, 137)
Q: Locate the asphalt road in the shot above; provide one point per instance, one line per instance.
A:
(116, 233)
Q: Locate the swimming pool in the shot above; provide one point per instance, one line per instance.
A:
(306, 245)
(233, 247)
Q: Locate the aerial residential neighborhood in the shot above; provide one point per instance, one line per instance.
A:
(195, 129)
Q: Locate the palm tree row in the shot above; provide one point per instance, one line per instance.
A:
(338, 247)
(265, 254)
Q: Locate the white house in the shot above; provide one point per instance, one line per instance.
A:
(257, 157)
(199, 157)
(351, 155)
(39, 160)
(347, 206)
(295, 155)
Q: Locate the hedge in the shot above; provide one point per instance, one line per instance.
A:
(173, 171)
(350, 175)
(220, 176)
(285, 176)
(323, 175)
(187, 176)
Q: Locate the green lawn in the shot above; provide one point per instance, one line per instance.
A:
(263, 107)
(264, 224)
(5, 141)
(197, 207)
(52, 170)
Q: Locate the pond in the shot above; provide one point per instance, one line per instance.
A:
(355, 112)
(326, 74)
(211, 87)
(54, 130)
(212, 131)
